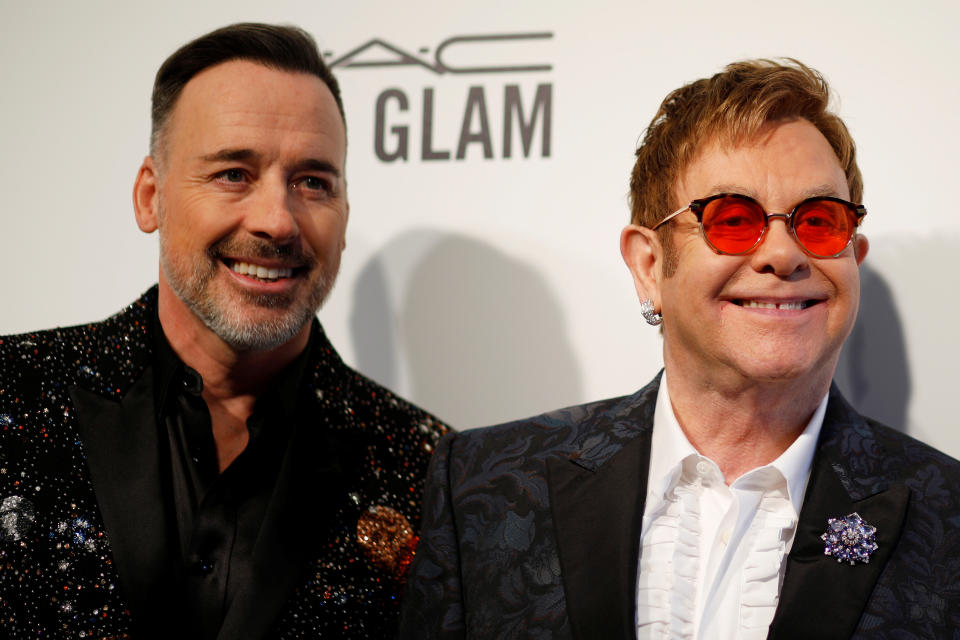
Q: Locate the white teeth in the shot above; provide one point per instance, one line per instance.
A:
(753, 304)
(260, 272)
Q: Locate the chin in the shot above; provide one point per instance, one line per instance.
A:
(774, 367)
(247, 326)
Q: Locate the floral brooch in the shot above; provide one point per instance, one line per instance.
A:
(387, 539)
(849, 539)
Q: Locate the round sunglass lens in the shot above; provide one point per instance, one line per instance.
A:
(824, 227)
(733, 225)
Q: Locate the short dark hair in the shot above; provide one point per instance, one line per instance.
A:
(282, 47)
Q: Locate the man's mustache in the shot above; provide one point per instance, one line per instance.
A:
(291, 253)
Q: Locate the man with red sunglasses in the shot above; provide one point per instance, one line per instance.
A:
(737, 495)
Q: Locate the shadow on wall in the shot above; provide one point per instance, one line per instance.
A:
(477, 335)
(873, 371)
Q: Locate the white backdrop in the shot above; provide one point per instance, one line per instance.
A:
(491, 288)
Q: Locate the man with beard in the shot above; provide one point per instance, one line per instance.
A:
(203, 464)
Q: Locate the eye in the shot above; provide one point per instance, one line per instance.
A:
(233, 176)
(815, 220)
(822, 216)
(733, 214)
(312, 184)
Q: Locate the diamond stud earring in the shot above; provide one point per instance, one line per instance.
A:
(652, 317)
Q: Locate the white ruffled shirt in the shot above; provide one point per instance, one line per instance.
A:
(712, 556)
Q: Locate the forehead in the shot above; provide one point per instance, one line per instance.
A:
(239, 104)
(783, 163)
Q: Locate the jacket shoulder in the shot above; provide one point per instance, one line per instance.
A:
(930, 473)
(363, 403)
(910, 447)
(591, 432)
(917, 594)
(103, 356)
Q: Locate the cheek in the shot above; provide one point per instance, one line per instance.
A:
(201, 216)
(850, 308)
(701, 284)
(845, 277)
(325, 235)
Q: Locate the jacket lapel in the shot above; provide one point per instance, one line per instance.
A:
(597, 499)
(319, 470)
(120, 441)
(848, 475)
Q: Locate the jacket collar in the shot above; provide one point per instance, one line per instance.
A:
(123, 453)
(597, 497)
(120, 443)
(851, 473)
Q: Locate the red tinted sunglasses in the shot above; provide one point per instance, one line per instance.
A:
(734, 224)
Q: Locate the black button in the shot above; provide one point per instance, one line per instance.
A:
(192, 381)
(201, 567)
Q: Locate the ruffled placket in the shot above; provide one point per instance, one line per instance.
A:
(766, 548)
(668, 580)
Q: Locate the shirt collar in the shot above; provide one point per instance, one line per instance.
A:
(169, 370)
(795, 462)
(670, 447)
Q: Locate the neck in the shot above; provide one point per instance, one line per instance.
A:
(232, 380)
(228, 374)
(742, 424)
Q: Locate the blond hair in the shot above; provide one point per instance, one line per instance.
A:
(731, 106)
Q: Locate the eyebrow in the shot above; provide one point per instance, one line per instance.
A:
(230, 155)
(246, 155)
(822, 190)
(312, 164)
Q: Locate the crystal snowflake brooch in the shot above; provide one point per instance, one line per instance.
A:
(849, 539)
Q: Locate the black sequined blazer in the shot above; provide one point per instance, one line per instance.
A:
(81, 504)
(531, 530)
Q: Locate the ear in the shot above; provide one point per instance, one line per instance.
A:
(641, 250)
(146, 196)
(860, 247)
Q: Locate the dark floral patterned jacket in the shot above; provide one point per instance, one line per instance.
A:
(531, 530)
(73, 458)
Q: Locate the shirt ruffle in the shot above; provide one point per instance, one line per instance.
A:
(670, 559)
(766, 549)
(669, 562)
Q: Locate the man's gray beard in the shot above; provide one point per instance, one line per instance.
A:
(229, 324)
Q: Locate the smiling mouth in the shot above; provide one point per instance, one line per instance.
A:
(783, 306)
(259, 272)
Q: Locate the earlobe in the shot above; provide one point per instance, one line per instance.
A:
(640, 248)
(146, 196)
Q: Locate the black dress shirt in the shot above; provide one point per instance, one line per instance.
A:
(218, 515)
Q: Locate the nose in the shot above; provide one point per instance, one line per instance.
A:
(779, 252)
(272, 215)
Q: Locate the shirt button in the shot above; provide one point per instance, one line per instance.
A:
(191, 381)
(703, 467)
(201, 567)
